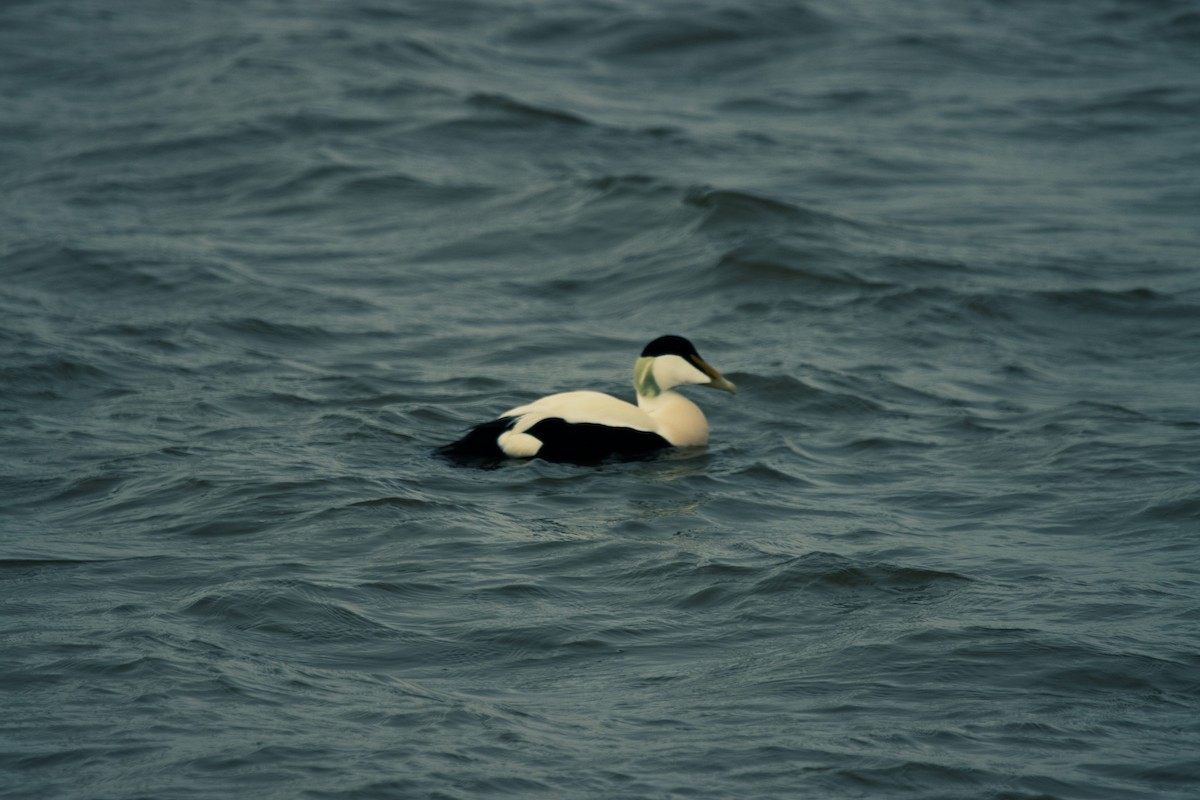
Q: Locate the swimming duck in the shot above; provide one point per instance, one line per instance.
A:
(588, 426)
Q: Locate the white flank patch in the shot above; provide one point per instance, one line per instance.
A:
(519, 445)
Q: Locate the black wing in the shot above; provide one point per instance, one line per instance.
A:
(584, 442)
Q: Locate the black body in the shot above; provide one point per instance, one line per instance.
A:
(568, 442)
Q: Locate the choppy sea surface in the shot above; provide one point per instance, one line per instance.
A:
(258, 259)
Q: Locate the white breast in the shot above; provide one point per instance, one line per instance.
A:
(676, 419)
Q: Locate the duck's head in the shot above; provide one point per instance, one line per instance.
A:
(671, 361)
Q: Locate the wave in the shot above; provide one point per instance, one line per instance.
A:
(111, 267)
(729, 208)
(828, 574)
(818, 272)
(522, 112)
(817, 578)
(55, 377)
(291, 609)
(1181, 27)
(706, 28)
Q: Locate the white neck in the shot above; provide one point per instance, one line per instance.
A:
(679, 420)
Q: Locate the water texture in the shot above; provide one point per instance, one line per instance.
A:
(258, 259)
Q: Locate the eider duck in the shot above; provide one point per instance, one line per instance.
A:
(586, 426)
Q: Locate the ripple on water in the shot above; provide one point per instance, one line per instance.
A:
(257, 265)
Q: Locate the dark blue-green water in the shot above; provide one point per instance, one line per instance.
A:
(258, 259)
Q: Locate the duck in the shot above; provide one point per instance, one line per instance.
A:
(588, 426)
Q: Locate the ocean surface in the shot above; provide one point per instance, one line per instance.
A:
(258, 259)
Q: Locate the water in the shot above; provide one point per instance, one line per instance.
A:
(258, 259)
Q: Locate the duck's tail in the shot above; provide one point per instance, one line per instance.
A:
(480, 443)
